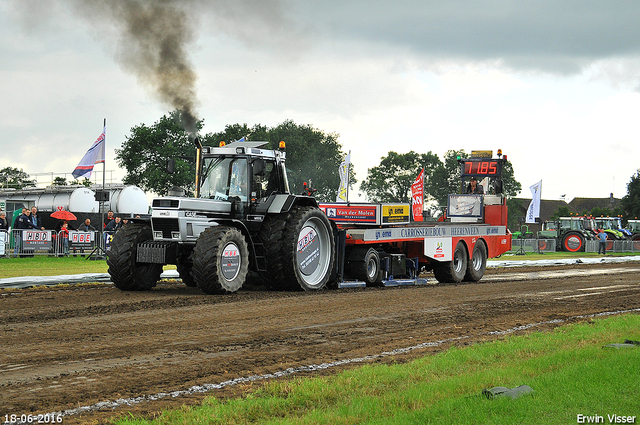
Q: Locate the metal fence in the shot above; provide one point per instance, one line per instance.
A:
(614, 246)
(523, 246)
(27, 243)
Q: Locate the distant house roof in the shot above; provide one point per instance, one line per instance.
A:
(580, 205)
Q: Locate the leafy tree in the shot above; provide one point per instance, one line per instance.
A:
(144, 155)
(630, 203)
(13, 178)
(562, 211)
(85, 182)
(60, 181)
(391, 180)
(313, 156)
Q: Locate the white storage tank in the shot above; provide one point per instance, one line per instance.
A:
(128, 200)
(123, 199)
(71, 198)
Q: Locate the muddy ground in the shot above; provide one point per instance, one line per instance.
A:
(77, 347)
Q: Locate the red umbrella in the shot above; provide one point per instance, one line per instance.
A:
(64, 215)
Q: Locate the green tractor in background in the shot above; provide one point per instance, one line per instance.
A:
(613, 227)
(570, 233)
(633, 226)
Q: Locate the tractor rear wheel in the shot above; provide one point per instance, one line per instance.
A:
(220, 260)
(308, 249)
(452, 271)
(271, 234)
(126, 273)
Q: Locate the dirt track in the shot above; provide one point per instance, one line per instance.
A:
(68, 348)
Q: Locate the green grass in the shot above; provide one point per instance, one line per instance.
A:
(560, 255)
(568, 368)
(49, 266)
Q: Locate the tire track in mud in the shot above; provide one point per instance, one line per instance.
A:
(67, 348)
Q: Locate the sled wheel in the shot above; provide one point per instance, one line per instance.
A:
(453, 271)
(364, 265)
(478, 263)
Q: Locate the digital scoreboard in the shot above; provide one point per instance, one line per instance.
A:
(481, 167)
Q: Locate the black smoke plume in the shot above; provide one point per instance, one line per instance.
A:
(153, 37)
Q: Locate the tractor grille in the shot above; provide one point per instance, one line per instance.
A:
(165, 225)
(165, 203)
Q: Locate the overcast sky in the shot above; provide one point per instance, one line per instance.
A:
(554, 84)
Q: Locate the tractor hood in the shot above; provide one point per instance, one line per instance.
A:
(192, 204)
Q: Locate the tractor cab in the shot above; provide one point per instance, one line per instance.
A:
(242, 173)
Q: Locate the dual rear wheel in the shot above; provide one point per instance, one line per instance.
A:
(462, 267)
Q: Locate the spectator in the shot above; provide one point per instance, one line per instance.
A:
(64, 237)
(24, 222)
(108, 219)
(35, 219)
(61, 223)
(4, 223)
(86, 226)
(602, 243)
(114, 225)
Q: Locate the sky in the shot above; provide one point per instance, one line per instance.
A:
(554, 84)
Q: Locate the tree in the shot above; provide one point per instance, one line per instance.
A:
(60, 181)
(630, 203)
(313, 156)
(144, 155)
(85, 182)
(13, 178)
(562, 211)
(391, 180)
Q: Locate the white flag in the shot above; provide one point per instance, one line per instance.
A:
(94, 155)
(534, 207)
(485, 184)
(344, 179)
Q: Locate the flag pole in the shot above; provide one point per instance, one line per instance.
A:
(348, 168)
(104, 178)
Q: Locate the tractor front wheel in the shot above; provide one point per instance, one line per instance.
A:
(220, 260)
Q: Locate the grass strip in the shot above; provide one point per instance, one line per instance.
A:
(49, 266)
(568, 368)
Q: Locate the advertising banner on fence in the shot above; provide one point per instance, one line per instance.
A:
(81, 239)
(36, 240)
